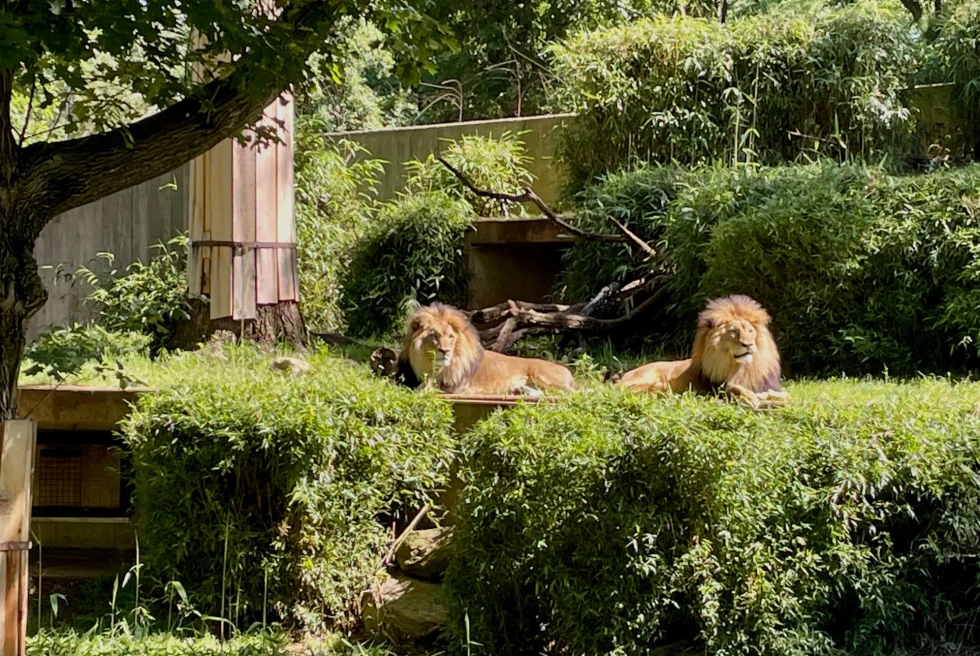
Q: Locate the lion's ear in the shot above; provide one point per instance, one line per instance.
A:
(414, 325)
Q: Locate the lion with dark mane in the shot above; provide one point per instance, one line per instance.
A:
(733, 352)
(442, 348)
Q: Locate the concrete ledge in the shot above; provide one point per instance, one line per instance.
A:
(69, 407)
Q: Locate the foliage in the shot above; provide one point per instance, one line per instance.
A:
(863, 272)
(609, 523)
(368, 95)
(51, 643)
(335, 186)
(957, 48)
(104, 57)
(261, 491)
(145, 298)
(494, 164)
(413, 252)
(781, 86)
(499, 69)
(61, 353)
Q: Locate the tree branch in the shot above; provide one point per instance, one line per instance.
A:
(528, 196)
(79, 171)
(914, 8)
(67, 174)
(30, 108)
(8, 145)
(561, 320)
(645, 247)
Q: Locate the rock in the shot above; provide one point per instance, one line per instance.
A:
(292, 365)
(401, 609)
(425, 554)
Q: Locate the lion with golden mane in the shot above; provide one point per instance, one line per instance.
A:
(443, 348)
(733, 352)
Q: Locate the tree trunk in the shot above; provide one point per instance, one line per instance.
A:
(22, 294)
(274, 324)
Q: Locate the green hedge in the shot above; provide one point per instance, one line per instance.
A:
(693, 90)
(285, 474)
(335, 200)
(413, 251)
(863, 272)
(607, 523)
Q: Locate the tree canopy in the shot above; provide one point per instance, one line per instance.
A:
(96, 97)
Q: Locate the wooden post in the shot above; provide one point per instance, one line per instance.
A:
(242, 219)
(16, 473)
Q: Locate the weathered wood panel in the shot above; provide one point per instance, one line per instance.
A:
(16, 472)
(128, 224)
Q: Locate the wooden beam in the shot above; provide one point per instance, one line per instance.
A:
(16, 473)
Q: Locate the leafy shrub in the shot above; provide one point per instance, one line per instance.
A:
(258, 489)
(863, 272)
(147, 298)
(780, 86)
(957, 47)
(492, 164)
(62, 352)
(412, 252)
(358, 88)
(54, 644)
(335, 184)
(49, 643)
(609, 523)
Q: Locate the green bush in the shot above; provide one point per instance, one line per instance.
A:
(610, 523)
(335, 186)
(49, 643)
(957, 49)
(260, 490)
(493, 164)
(781, 86)
(146, 298)
(413, 252)
(863, 272)
(62, 352)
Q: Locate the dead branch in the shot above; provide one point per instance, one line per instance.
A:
(645, 247)
(499, 311)
(565, 321)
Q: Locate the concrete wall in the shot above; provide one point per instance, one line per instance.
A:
(126, 224)
(399, 145)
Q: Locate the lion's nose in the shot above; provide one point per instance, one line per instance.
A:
(748, 346)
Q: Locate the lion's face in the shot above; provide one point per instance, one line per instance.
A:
(736, 338)
(733, 343)
(442, 345)
(438, 343)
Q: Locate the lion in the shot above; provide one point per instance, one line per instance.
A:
(733, 352)
(442, 347)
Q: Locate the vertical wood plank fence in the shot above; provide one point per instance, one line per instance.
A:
(16, 473)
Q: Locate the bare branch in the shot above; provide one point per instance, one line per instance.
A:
(561, 320)
(503, 337)
(645, 247)
(528, 196)
(27, 114)
(500, 310)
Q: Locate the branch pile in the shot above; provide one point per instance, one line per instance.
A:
(513, 319)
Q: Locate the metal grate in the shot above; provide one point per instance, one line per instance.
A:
(60, 478)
